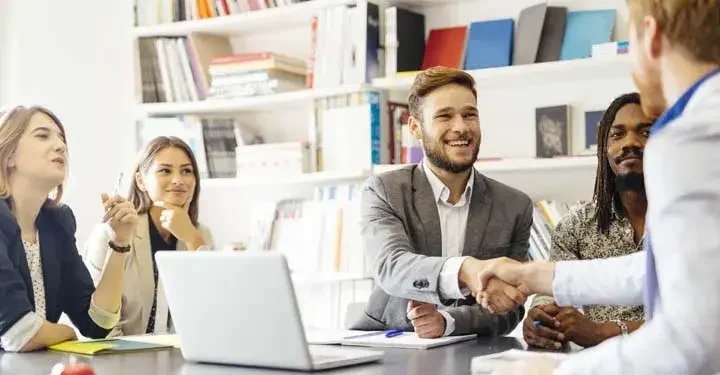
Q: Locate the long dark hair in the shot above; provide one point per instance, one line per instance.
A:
(605, 197)
(139, 198)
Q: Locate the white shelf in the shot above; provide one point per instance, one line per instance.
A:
(328, 278)
(317, 178)
(567, 70)
(521, 164)
(300, 98)
(248, 22)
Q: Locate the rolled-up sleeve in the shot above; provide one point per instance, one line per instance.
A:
(102, 318)
(21, 332)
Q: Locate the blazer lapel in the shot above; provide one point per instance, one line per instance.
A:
(426, 209)
(142, 256)
(50, 244)
(478, 216)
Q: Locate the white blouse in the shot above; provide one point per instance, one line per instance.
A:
(34, 260)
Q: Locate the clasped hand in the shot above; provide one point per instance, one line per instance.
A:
(496, 283)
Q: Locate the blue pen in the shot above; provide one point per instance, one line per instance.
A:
(393, 333)
(537, 323)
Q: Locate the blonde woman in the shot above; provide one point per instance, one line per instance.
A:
(41, 273)
(165, 190)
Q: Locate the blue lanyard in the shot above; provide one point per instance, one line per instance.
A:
(677, 109)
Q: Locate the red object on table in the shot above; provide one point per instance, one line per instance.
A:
(78, 369)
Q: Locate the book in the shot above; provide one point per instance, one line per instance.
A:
(404, 40)
(585, 29)
(551, 37)
(592, 122)
(445, 47)
(108, 346)
(489, 44)
(553, 131)
(529, 31)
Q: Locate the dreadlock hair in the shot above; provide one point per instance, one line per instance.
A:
(605, 196)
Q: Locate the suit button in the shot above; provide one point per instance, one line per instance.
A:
(421, 284)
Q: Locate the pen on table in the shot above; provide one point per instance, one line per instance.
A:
(393, 333)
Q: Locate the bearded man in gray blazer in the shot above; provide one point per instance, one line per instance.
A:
(429, 229)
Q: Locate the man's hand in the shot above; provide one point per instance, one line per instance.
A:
(500, 298)
(529, 278)
(541, 334)
(579, 329)
(426, 320)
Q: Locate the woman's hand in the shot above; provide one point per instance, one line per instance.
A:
(122, 218)
(175, 219)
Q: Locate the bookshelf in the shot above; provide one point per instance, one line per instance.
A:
(315, 178)
(507, 99)
(569, 70)
(300, 99)
(249, 22)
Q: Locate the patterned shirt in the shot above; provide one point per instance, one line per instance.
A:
(576, 237)
(32, 254)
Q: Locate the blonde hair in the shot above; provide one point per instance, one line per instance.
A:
(13, 123)
(693, 25)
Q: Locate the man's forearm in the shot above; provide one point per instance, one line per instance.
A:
(108, 294)
(612, 329)
(538, 277)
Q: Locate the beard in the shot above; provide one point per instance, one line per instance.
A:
(632, 181)
(439, 159)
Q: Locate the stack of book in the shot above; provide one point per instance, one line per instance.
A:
(250, 74)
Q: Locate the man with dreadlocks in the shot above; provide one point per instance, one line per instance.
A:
(612, 224)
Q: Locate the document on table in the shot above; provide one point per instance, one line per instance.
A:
(330, 336)
(408, 340)
(486, 364)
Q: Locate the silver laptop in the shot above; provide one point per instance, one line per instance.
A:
(240, 309)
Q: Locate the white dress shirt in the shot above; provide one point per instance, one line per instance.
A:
(453, 221)
(682, 173)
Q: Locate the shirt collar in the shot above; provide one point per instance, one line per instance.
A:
(682, 103)
(442, 192)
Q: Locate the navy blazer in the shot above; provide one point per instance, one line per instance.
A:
(68, 285)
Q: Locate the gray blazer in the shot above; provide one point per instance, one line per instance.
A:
(402, 239)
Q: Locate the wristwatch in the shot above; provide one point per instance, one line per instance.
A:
(622, 325)
(119, 249)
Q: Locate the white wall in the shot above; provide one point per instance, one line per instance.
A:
(75, 57)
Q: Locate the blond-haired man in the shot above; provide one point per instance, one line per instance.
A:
(676, 50)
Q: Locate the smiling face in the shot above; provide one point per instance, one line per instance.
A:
(41, 153)
(626, 140)
(169, 178)
(449, 128)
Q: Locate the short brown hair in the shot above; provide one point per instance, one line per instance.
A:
(432, 79)
(693, 25)
(13, 123)
(139, 198)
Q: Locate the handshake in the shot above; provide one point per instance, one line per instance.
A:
(502, 284)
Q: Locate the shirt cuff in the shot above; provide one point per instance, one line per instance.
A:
(449, 285)
(449, 323)
(102, 318)
(562, 283)
(21, 332)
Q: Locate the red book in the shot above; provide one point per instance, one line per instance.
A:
(445, 47)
